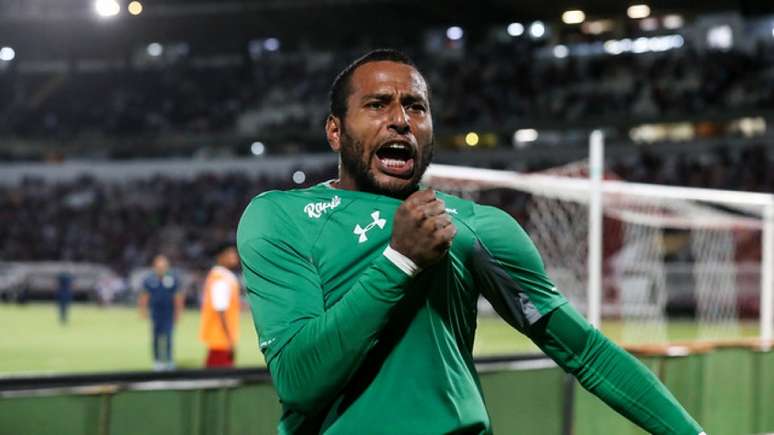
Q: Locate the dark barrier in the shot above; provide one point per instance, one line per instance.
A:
(728, 391)
(58, 414)
(728, 387)
(525, 395)
(183, 402)
(593, 417)
(763, 375)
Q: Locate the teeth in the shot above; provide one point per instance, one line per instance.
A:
(393, 162)
(399, 146)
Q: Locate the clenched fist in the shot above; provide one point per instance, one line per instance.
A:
(422, 230)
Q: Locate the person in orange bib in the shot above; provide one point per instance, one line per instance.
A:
(220, 309)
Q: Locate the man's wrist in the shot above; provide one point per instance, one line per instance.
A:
(401, 261)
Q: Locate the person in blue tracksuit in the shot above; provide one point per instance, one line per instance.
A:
(161, 297)
(64, 295)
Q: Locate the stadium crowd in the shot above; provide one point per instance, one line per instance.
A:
(491, 85)
(125, 225)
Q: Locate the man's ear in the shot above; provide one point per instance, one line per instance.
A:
(333, 132)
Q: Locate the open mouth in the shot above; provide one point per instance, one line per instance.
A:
(396, 159)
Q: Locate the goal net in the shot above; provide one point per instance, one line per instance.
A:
(676, 263)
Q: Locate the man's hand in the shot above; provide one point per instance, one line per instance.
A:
(422, 230)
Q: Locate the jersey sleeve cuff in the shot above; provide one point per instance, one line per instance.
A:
(401, 261)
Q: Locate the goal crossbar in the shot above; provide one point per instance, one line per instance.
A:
(716, 208)
(579, 187)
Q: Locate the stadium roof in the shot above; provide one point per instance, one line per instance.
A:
(71, 26)
(523, 9)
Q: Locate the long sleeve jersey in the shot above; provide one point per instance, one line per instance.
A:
(356, 345)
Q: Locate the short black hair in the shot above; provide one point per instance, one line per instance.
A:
(341, 87)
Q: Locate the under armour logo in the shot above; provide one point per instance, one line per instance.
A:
(361, 232)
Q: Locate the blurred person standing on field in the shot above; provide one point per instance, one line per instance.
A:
(160, 290)
(64, 295)
(220, 308)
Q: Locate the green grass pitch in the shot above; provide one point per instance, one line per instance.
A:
(116, 339)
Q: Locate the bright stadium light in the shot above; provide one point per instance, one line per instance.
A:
(613, 47)
(271, 44)
(525, 135)
(7, 54)
(636, 12)
(135, 8)
(659, 44)
(515, 29)
(641, 45)
(107, 8)
(537, 29)
(721, 37)
(561, 51)
(471, 139)
(155, 49)
(257, 148)
(454, 33)
(574, 16)
(299, 177)
(644, 45)
(673, 21)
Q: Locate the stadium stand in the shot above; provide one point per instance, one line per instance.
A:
(123, 224)
(493, 84)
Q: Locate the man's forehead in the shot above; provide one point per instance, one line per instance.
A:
(388, 77)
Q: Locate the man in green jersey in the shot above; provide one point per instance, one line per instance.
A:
(363, 289)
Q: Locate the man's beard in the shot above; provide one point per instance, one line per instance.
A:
(358, 165)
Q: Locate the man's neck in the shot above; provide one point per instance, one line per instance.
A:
(344, 182)
(348, 183)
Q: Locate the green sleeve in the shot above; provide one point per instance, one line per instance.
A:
(611, 373)
(510, 274)
(310, 351)
(508, 270)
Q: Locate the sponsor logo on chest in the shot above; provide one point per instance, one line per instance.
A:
(316, 209)
(362, 233)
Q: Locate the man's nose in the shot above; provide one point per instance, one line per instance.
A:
(399, 120)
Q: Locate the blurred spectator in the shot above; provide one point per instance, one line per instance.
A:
(64, 295)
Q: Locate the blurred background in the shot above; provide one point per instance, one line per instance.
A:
(130, 129)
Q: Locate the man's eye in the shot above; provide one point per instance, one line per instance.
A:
(417, 108)
(375, 105)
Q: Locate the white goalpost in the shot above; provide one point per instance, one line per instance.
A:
(644, 256)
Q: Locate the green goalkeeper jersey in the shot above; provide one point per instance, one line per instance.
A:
(356, 345)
